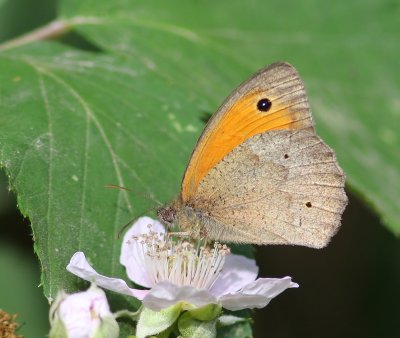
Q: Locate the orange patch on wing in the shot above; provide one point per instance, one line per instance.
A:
(239, 123)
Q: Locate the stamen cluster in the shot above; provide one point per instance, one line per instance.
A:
(180, 262)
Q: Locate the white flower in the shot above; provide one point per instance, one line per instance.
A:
(177, 272)
(82, 315)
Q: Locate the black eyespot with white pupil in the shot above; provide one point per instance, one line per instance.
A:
(264, 105)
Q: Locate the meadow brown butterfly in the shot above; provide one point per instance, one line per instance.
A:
(259, 173)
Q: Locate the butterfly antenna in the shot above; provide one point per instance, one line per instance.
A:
(144, 196)
(113, 186)
(123, 228)
(130, 222)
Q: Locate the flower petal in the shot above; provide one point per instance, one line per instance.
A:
(165, 294)
(237, 272)
(80, 267)
(257, 294)
(132, 251)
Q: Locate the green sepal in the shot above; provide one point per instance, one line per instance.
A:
(108, 328)
(166, 333)
(227, 320)
(206, 313)
(154, 322)
(128, 314)
(58, 329)
(190, 327)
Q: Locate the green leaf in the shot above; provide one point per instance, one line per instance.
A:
(73, 140)
(153, 322)
(73, 121)
(193, 328)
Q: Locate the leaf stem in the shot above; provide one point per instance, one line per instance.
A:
(50, 31)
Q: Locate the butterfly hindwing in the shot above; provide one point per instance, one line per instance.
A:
(280, 187)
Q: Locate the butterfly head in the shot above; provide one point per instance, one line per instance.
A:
(167, 216)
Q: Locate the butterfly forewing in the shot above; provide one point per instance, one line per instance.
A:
(239, 118)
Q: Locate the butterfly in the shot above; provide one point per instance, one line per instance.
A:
(259, 173)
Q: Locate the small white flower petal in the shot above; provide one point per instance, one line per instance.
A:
(257, 294)
(80, 267)
(82, 315)
(165, 294)
(132, 252)
(237, 272)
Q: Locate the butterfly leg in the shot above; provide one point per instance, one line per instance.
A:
(178, 234)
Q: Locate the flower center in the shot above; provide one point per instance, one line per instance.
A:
(179, 261)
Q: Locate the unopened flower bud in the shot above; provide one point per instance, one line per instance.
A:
(82, 315)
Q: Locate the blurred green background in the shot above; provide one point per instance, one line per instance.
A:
(361, 267)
